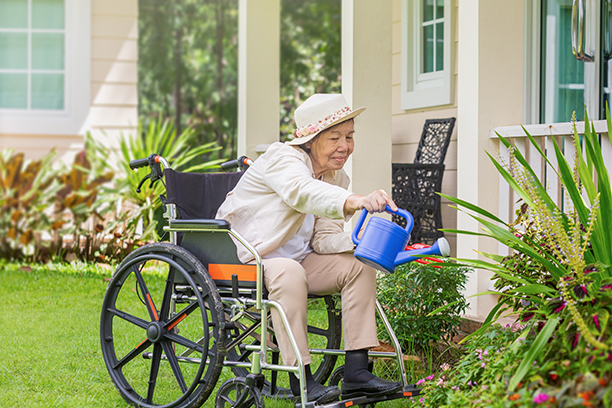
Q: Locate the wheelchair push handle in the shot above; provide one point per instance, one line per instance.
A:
(153, 161)
(242, 162)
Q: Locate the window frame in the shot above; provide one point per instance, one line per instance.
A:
(429, 89)
(77, 83)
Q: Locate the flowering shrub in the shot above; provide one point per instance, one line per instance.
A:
(558, 280)
(562, 377)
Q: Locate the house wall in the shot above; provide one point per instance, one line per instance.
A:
(407, 125)
(114, 69)
(113, 90)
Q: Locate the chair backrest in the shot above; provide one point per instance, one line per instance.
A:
(434, 141)
(198, 195)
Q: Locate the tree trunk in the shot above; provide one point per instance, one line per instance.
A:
(220, 12)
(178, 38)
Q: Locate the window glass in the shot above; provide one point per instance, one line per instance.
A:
(13, 91)
(14, 14)
(439, 46)
(32, 54)
(428, 49)
(606, 60)
(428, 10)
(432, 36)
(562, 75)
(13, 50)
(47, 91)
(47, 51)
(48, 14)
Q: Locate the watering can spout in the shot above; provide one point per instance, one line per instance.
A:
(440, 248)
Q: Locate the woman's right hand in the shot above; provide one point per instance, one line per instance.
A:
(376, 201)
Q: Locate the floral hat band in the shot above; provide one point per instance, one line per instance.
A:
(322, 124)
(320, 112)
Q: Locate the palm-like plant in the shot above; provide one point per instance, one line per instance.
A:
(159, 137)
(560, 270)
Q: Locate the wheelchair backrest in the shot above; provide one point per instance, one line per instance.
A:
(197, 197)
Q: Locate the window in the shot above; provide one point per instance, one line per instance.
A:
(44, 61)
(32, 54)
(426, 53)
(558, 82)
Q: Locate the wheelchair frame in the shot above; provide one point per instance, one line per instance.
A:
(241, 300)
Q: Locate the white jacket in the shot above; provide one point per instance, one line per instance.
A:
(269, 203)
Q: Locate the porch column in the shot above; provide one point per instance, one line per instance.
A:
(258, 74)
(366, 81)
(489, 93)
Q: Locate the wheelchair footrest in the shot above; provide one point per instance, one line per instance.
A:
(407, 392)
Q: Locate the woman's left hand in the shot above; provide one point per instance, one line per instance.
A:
(376, 201)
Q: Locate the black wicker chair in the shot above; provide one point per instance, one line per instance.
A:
(415, 184)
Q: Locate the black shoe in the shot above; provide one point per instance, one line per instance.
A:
(321, 394)
(375, 387)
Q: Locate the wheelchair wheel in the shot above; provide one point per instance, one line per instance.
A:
(324, 332)
(162, 328)
(235, 393)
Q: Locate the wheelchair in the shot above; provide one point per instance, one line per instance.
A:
(176, 313)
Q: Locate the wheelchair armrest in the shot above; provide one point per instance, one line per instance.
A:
(198, 224)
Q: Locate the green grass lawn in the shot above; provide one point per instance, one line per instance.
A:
(49, 339)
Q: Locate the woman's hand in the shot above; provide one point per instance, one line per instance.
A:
(373, 202)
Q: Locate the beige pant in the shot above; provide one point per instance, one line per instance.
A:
(289, 282)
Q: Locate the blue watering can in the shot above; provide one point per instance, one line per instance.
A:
(382, 245)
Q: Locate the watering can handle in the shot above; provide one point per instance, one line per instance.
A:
(364, 214)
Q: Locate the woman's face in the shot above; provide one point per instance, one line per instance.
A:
(331, 148)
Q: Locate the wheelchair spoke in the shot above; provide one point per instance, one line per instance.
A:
(157, 351)
(146, 294)
(174, 365)
(181, 315)
(132, 354)
(185, 342)
(128, 317)
(165, 306)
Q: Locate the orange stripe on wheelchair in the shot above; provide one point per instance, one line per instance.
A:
(408, 394)
(225, 272)
(348, 404)
(152, 307)
(177, 321)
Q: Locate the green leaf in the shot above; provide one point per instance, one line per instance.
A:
(532, 289)
(534, 352)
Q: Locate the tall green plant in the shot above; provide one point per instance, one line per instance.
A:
(159, 137)
(560, 271)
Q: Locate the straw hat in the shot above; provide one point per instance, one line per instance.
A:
(320, 112)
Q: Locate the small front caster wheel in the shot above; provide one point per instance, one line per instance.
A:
(235, 393)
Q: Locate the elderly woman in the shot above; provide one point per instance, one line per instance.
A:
(291, 205)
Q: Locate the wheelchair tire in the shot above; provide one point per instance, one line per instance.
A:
(321, 335)
(235, 393)
(157, 357)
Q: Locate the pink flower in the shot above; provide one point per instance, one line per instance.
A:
(430, 377)
(421, 381)
(298, 133)
(422, 400)
(540, 398)
(312, 128)
(483, 365)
